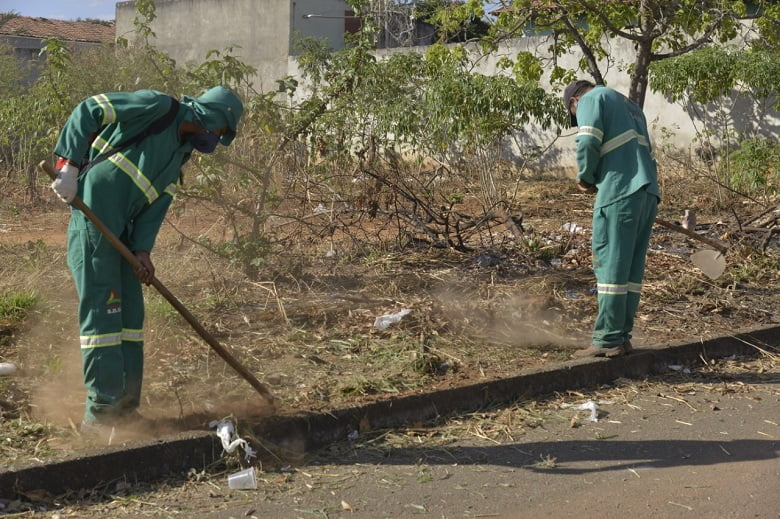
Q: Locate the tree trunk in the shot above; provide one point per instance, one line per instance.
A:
(638, 89)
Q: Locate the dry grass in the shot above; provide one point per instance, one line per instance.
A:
(305, 328)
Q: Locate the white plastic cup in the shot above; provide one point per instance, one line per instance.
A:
(243, 480)
(6, 368)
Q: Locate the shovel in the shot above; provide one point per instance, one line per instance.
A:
(130, 257)
(711, 262)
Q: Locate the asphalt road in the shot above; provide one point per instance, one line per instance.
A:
(678, 445)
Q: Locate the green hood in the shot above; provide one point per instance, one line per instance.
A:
(215, 109)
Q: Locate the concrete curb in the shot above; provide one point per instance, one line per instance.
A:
(152, 460)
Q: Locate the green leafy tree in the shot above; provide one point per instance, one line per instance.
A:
(656, 29)
(731, 95)
(768, 25)
(365, 114)
(456, 21)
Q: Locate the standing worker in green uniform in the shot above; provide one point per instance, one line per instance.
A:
(615, 161)
(122, 153)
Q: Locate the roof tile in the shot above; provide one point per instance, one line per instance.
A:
(68, 31)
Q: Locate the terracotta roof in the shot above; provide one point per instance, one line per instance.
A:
(67, 31)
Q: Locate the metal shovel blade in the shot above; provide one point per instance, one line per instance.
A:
(711, 262)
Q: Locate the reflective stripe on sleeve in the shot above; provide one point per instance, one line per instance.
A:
(591, 131)
(109, 114)
(635, 287)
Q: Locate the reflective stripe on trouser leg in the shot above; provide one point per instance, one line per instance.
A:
(620, 234)
(95, 266)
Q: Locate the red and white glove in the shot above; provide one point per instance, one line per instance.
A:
(66, 185)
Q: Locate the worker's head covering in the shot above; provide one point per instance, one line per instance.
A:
(571, 90)
(215, 109)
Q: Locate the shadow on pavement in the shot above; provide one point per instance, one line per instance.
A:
(577, 456)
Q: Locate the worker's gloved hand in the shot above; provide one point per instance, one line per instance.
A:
(66, 185)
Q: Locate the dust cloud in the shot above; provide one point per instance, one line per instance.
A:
(524, 321)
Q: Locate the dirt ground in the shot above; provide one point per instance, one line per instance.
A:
(306, 327)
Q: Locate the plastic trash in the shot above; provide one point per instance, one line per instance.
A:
(7, 368)
(230, 441)
(591, 406)
(572, 227)
(243, 479)
(383, 321)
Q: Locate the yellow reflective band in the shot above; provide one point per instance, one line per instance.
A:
(623, 138)
(135, 175)
(101, 341)
(109, 114)
(591, 131)
(635, 287)
(101, 145)
(132, 335)
(620, 140)
(605, 288)
(171, 189)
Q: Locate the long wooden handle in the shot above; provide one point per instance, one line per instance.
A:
(130, 257)
(720, 246)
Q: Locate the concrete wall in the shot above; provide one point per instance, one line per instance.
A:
(669, 123)
(660, 113)
(325, 19)
(264, 29)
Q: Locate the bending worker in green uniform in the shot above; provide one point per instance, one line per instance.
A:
(122, 153)
(616, 162)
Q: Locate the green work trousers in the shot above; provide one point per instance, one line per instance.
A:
(621, 234)
(111, 315)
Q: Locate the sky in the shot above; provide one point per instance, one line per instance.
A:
(62, 9)
(66, 9)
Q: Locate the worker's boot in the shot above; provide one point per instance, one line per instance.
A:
(595, 351)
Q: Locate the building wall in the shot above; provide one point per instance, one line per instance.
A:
(27, 50)
(264, 29)
(320, 19)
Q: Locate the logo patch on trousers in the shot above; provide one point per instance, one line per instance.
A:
(113, 303)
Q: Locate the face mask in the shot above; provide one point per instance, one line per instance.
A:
(204, 142)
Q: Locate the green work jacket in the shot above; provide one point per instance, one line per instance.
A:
(132, 189)
(613, 147)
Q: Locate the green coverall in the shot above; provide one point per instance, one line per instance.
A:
(130, 192)
(614, 154)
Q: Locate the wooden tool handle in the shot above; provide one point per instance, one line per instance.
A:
(718, 245)
(130, 257)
